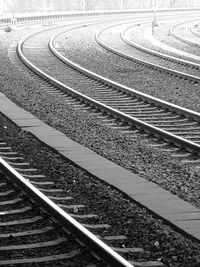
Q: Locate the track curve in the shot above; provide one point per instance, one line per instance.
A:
(187, 139)
(33, 223)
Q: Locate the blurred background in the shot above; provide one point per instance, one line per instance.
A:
(21, 6)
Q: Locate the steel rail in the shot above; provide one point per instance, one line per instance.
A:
(162, 55)
(190, 146)
(182, 39)
(146, 50)
(131, 120)
(172, 107)
(69, 224)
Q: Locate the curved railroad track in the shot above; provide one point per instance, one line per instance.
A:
(184, 63)
(35, 228)
(71, 100)
(164, 120)
(186, 33)
(169, 64)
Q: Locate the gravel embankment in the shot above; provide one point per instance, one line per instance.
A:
(135, 155)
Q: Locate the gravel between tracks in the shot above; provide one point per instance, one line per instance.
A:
(132, 154)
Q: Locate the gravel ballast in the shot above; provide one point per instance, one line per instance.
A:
(74, 44)
(134, 154)
(169, 177)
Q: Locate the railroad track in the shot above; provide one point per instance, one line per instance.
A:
(170, 64)
(191, 36)
(51, 89)
(129, 109)
(28, 233)
(35, 228)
